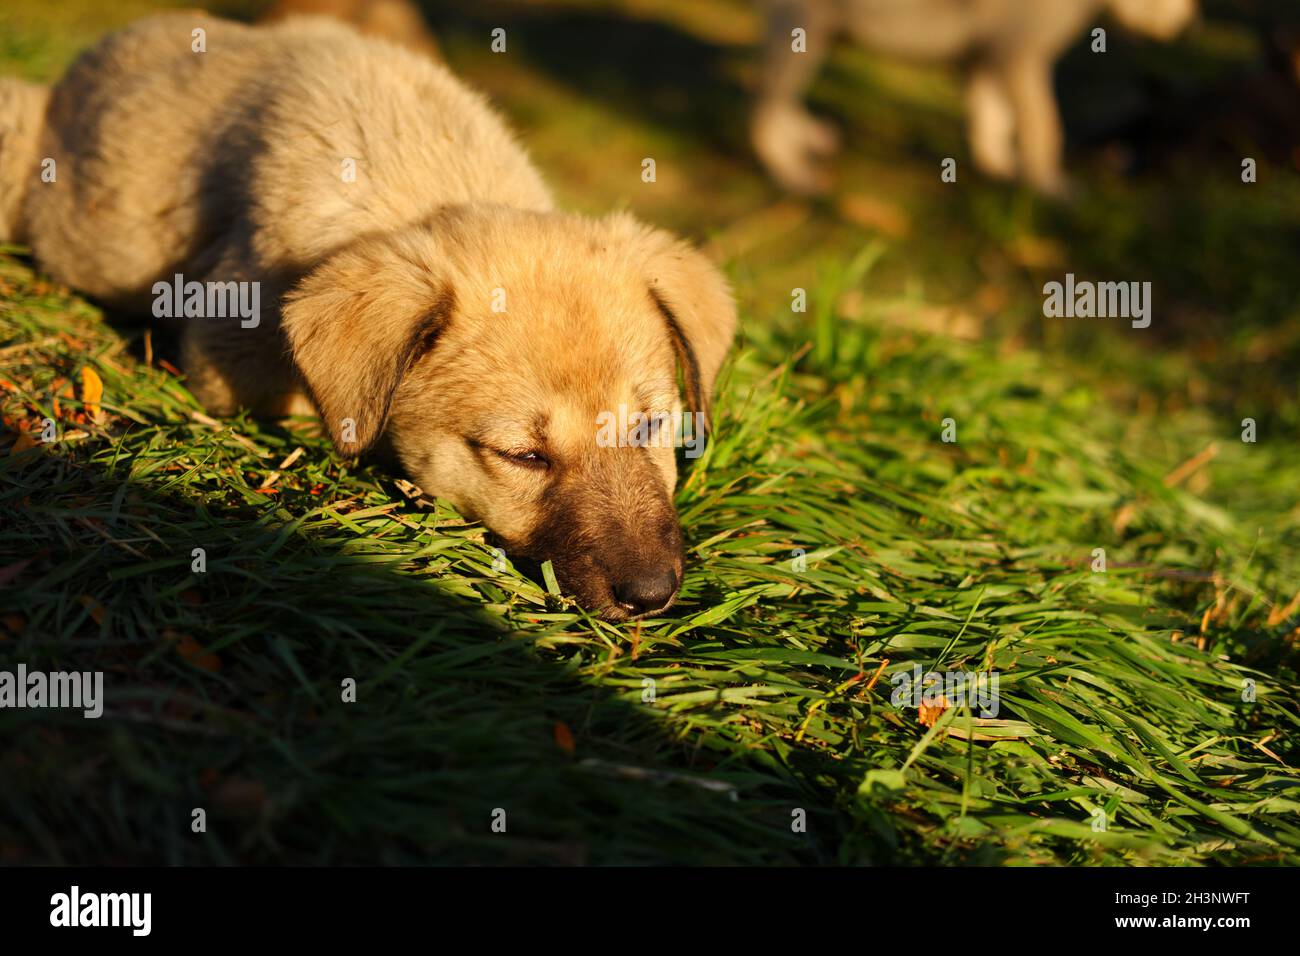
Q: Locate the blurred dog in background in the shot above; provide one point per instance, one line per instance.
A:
(1007, 48)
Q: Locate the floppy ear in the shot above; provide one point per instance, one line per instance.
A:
(356, 325)
(699, 313)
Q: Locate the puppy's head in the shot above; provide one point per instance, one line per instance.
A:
(526, 367)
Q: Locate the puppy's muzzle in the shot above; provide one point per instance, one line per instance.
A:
(646, 593)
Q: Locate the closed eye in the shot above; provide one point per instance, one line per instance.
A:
(522, 454)
(525, 459)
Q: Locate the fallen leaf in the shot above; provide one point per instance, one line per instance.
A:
(92, 391)
(94, 607)
(240, 797)
(929, 713)
(1280, 614)
(61, 388)
(194, 653)
(564, 738)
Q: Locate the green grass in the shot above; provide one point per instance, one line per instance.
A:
(972, 556)
(1121, 692)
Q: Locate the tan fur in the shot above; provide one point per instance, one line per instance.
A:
(380, 297)
(1007, 46)
(22, 115)
(399, 21)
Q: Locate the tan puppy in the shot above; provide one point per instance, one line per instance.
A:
(1007, 46)
(407, 270)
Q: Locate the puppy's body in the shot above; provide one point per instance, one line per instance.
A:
(230, 165)
(1008, 48)
(433, 297)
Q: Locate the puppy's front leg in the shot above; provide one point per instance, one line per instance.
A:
(239, 360)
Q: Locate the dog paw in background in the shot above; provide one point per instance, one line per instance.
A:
(795, 146)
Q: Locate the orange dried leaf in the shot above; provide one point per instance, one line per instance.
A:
(61, 388)
(92, 391)
(929, 713)
(94, 607)
(193, 652)
(240, 797)
(564, 738)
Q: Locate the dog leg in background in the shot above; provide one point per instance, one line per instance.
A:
(1160, 19)
(991, 123)
(1040, 139)
(22, 115)
(787, 138)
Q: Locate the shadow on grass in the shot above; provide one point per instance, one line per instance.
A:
(224, 692)
(639, 67)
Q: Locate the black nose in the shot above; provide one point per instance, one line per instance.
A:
(646, 593)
